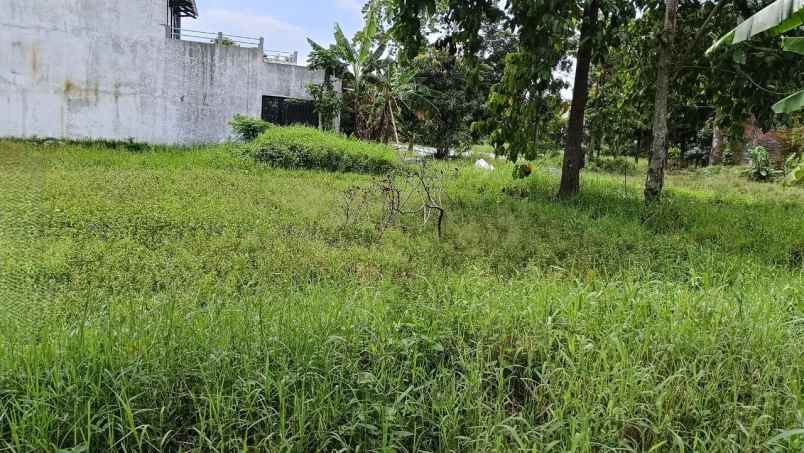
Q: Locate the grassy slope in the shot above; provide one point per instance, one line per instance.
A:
(182, 300)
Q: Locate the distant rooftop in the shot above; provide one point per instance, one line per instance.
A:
(185, 8)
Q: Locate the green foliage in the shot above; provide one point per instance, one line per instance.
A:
(225, 42)
(779, 17)
(790, 104)
(525, 105)
(728, 154)
(761, 167)
(442, 117)
(796, 176)
(248, 128)
(328, 103)
(328, 60)
(674, 153)
(614, 165)
(303, 147)
(395, 92)
(355, 61)
(179, 300)
(794, 171)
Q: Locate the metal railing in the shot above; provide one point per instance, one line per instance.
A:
(186, 34)
(270, 56)
(278, 56)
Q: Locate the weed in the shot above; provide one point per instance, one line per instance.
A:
(298, 147)
(187, 300)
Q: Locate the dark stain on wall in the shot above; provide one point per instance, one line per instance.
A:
(82, 96)
(35, 61)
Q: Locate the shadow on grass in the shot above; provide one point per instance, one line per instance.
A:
(609, 227)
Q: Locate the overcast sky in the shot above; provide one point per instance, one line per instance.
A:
(285, 24)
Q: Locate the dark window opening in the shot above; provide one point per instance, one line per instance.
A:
(287, 111)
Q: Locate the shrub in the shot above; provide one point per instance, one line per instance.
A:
(248, 128)
(761, 168)
(305, 147)
(674, 153)
(794, 169)
(618, 165)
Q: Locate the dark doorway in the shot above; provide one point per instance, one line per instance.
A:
(287, 111)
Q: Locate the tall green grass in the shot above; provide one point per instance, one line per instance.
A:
(187, 300)
(298, 147)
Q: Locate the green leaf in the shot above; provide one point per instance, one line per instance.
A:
(723, 41)
(790, 104)
(777, 18)
(793, 45)
(343, 46)
(739, 56)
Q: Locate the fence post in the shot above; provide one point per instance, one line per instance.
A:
(220, 38)
(262, 43)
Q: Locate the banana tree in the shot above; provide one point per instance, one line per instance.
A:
(360, 56)
(394, 88)
(779, 17)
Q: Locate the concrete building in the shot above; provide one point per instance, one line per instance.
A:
(124, 70)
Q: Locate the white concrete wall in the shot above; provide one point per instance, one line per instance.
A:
(105, 69)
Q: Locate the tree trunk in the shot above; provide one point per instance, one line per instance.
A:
(393, 123)
(655, 180)
(573, 154)
(325, 88)
(718, 142)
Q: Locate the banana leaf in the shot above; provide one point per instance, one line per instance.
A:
(777, 18)
(793, 45)
(790, 104)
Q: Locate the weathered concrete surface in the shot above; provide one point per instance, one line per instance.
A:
(105, 69)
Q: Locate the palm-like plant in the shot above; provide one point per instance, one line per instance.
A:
(358, 57)
(394, 88)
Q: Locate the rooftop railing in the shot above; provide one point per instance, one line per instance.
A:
(271, 56)
(278, 56)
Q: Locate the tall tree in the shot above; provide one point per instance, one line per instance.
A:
(442, 116)
(655, 179)
(574, 158)
(525, 101)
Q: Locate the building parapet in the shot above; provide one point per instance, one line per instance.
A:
(270, 56)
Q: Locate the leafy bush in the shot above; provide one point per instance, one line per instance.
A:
(761, 168)
(248, 128)
(674, 153)
(617, 165)
(327, 103)
(796, 177)
(305, 147)
(794, 171)
(728, 155)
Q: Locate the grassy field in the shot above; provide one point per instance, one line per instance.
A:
(189, 300)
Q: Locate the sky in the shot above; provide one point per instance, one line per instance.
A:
(285, 24)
